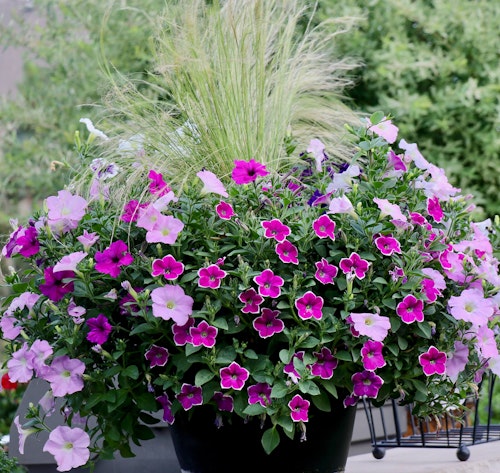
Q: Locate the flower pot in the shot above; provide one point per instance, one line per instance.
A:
(201, 447)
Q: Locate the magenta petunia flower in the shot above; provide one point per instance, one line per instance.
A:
(113, 258)
(166, 405)
(247, 171)
(433, 361)
(299, 408)
(252, 301)
(165, 230)
(224, 401)
(157, 356)
(410, 309)
(211, 276)
(65, 375)
(158, 186)
(190, 396)
(204, 334)
(324, 227)
(354, 266)
(181, 332)
(65, 211)
(310, 305)
(27, 242)
(387, 245)
(373, 326)
(418, 219)
(287, 252)
(56, 284)
(131, 210)
(275, 229)
(69, 446)
(429, 290)
(471, 306)
(259, 393)
(211, 183)
(171, 302)
(396, 162)
(371, 355)
(366, 383)
(168, 267)
(325, 364)
(233, 376)
(325, 272)
(289, 368)
(100, 329)
(434, 209)
(268, 323)
(269, 284)
(224, 210)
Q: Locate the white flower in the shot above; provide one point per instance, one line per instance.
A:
(92, 129)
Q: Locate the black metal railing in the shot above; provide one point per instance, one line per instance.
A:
(446, 432)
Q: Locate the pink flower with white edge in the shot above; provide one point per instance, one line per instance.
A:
(224, 210)
(245, 172)
(190, 396)
(275, 229)
(310, 305)
(325, 272)
(386, 129)
(171, 302)
(410, 309)
(371, 355)
(434, 209)
(233, 376)
(69, 446)
(471, 306)
(65, 375)
(269, 284)
(433, 361)
(211, 183)
(324, 227)
(430, 291)
(268, 323)
(181, 332)
(354, 266)
(252, 301)
(168, 267)
(373, 326)
(389, 210)
(366, 383)
(325, 364)
(287, 252)
(290, 369)
(388, 245)
(211, 276)
(259, 393)
(299, 408)
(204, 334)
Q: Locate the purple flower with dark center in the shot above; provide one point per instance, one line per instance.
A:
(325, 272)
(128, 303)
(131, 210)
(203, 334)
(371, 355)
(28, 242)
(56, 284)
(259, 393)
(245, 172)
(252, 301)
(11, 247)
(275, 229)
(387, 245)
(113, 258)
(269, 284)
(325, 364)
(315, 199)
(166, 405)
(168, 267)
(310, 305)
(433, 361)
(268, 323)
(100, 329)
(181, 332)
(224, 401)
(158, 186)
(351, 400)
(211, 276)
(190, 396)
(324, 227)
(354, 265)
(224, 210)
(289, 368)
(299, 408)
(410, 309)
(233, 376)
(366, 383)
(287, 252)
(157, 356)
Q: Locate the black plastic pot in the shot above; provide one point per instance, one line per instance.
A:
(201, 447)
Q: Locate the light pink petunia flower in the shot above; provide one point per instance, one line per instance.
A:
(69, 262)
(317, 149)
(166, 230)
(389, 210)
(457, 360)
(211, 183)
(65, 375)
(171, 302)
(23, 434)
(373, 326)
(69, 446)
(341, 205)
(386, 129)
(471, 306)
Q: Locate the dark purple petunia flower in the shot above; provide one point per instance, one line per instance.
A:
(55, 287)
(100, 329)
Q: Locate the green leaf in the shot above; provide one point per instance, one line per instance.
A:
(286, 423)
(191, 349)
(343, 355)
(283, 305)
(254, 410)
(202, 377)
(403, 343)
(309, 387)
(284, 356)
(388, 302)
(330, 386)
(380, 280)
(146, 402)
(226, 355)
(377, 117)
(425, 329)
(279, 390)
(270, 439)
(141, 328)
(143, 432)
(220, 323)
(322, 402)
(250, 354)
(131, 372)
